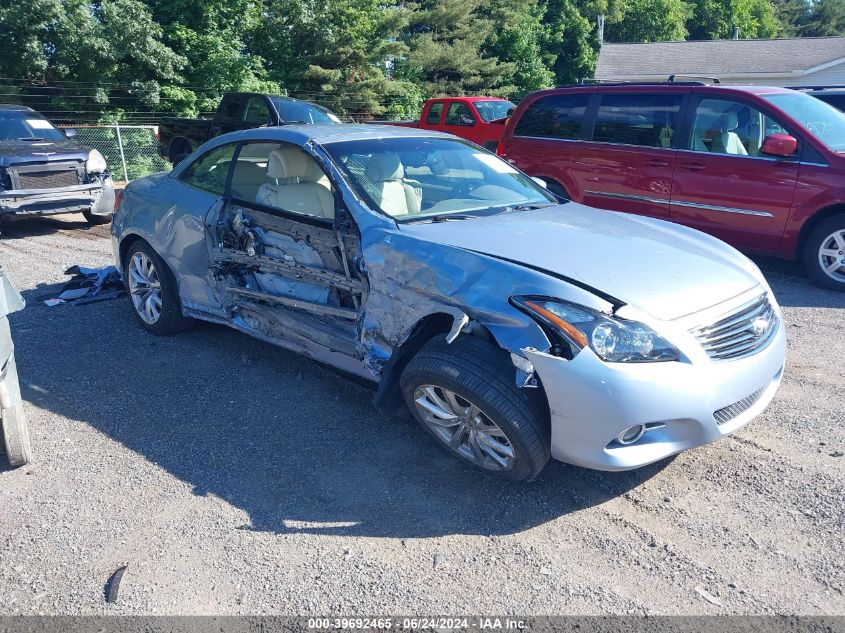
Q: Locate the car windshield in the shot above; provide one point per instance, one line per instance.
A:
(493, 110)
(822, 120)
(418, 178)
(21, 125)
(300, 111)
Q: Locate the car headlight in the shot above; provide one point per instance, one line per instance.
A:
(612, 339)
(95, 164)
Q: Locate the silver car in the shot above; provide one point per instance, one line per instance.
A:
(514, 326)
(12, 421)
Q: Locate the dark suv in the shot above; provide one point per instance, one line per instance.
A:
(761, 168)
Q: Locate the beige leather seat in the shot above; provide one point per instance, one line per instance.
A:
(384, 182)
(727, 141)
(296, 185)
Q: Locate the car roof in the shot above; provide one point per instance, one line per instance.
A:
(321, 134)
(660, 86)
(15, 107)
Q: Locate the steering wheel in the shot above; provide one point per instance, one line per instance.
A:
(463, 189)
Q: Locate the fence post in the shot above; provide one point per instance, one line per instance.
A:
(122, 157)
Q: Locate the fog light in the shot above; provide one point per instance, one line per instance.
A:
(631, 435)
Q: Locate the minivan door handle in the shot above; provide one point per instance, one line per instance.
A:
(654, 162)
(692, 166)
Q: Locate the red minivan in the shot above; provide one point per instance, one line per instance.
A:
(761, 168)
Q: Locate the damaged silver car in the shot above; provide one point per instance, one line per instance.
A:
(514, 327)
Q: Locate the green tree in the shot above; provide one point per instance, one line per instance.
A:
(716, 19)
(650, 21)
(337, 52)
(211, 35)
(570, 45)
(827, 17)
(791, 14)
(445, 41)
(517, 36)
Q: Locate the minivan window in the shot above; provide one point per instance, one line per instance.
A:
(649, 120)
(554, 116)
(725, 126)
(822, 120)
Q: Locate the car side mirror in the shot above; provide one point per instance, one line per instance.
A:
(540, 182)
(511, 110)
(69, 132)
(782, 145)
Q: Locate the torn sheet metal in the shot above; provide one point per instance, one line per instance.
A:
(89, 285)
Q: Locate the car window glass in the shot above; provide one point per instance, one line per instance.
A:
(649, 120)
(459, 114)
(434, 112)
(413, 178)
(16, 125)
(257, 112)
(555, 116)
(293, 111)
(723, 126)
(822, 120)
(209, 171)
(493, 110)
(283, 177)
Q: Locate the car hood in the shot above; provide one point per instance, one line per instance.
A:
(12, 152)
(662, 268)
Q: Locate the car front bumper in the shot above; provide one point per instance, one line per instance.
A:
(96, 198)
(591, 402)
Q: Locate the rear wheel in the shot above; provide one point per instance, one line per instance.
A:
(465, 395)
(824, 253)
(16, 436)
(153, 293)
(94, 219)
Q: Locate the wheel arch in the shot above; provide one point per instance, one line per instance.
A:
(817, 218)
(388, 398)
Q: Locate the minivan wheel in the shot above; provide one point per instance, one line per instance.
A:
(152, 291)
(465, 395)
(824, 253)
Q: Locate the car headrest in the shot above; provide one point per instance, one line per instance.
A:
(385, 167)
(287, 162)
(729, 121)
(313, 172)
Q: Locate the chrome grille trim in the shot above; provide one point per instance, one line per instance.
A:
(728, 413)
(734, 335)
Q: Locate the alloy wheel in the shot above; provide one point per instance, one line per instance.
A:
(464, 428)
(145, 288)
(832, 255)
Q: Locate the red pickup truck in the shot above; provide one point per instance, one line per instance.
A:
(477, 119)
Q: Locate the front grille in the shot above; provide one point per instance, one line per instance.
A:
(740, 333)
(726, 414)
(48, 179)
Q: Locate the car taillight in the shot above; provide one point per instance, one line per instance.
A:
(118, 196)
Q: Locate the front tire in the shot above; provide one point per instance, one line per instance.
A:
(152, 291)
(824, 254)
(465, 395)
(16, 436)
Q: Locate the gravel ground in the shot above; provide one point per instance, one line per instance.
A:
(233, 477)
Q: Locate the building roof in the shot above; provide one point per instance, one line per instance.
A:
(720, 58)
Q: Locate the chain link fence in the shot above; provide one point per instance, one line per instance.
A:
(131, 151)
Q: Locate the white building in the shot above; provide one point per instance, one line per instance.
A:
(807, 61)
